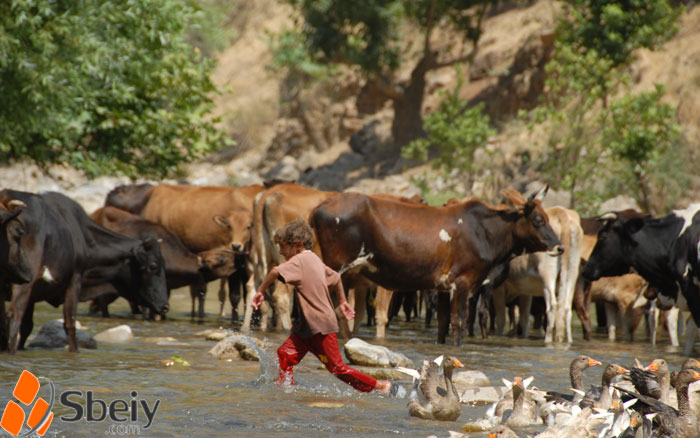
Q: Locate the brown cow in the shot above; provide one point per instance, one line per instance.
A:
(407, 246)
(188, 211)
(274, 208)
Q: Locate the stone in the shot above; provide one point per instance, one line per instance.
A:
(53, 335)
(360, 352)
(237, 345)
(482, 395)
(382, 373)
(464, 380)
(119, 334)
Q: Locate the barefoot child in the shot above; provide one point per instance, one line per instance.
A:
(316, 328)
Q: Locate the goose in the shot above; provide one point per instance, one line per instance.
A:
(601, 396)
(669, 422)
(435, 397)
(653, 381)
(576, 368)
(524, 409)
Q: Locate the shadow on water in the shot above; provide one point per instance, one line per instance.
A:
(213, 398)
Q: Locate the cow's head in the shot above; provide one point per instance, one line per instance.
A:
(617, 240)
(149, 261)
(13, 261)
(532, 224)
(219, 261)
(239, 225)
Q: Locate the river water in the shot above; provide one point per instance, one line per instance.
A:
(213, 398)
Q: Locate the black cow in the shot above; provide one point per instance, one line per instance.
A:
(62, 245)
(664, 251)
(182, 267)
(14, 266)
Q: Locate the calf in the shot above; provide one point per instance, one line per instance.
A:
(411, 246)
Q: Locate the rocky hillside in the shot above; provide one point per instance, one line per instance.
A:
(342, 139)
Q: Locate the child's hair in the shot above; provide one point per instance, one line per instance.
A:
(295, 231)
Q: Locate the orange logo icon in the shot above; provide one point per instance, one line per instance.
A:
(40, 416)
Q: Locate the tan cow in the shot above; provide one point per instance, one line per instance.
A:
(539, 274)
(274, 208)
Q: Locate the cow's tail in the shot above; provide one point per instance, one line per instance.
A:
(259, 233)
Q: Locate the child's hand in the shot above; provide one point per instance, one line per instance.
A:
(348, 312)
(257, 300)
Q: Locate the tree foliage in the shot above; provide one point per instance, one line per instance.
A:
(454, 131)
(107, 86)
(368, 33)
(600, 139)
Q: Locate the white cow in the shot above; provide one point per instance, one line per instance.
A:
(539, 274)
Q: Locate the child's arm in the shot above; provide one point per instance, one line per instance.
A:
(348, 311)
(270, 278)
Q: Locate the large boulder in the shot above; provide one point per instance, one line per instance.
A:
(53, 335)
(116, 335)
(360, 352)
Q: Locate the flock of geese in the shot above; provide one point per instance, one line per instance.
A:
(639, 402)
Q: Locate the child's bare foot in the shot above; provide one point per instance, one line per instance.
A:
(383, 386)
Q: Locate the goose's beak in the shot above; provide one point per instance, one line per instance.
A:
(459, 364)
(621, 370)
(654, 367)
(696, 375)
(593, 363)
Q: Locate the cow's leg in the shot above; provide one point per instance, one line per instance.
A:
(690, 332)
(458, 311)
(611, 320)
(671, 324)
(381, 315)
(409, 304)
(653, 321)
(581, 308)
(483, 310)
(222, 298)
(4, 333)
(499, 305)
(395, 304)
(70, 305)
(443, 314)
(431, 304)
(27, 325)
(282, 299)
(525, 305)
(18, 305)
(359, 294)
(473, 302)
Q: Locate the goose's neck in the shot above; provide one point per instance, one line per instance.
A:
(451, 390)
(683, 403)
(576, 375)
(665, 385)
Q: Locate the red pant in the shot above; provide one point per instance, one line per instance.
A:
(325, 347)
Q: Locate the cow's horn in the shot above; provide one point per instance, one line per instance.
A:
(540, 194)
(16, 203)
(610, 216)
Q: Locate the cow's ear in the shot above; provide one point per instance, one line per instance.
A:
(539, 195)
(222, 221)
(632, 226)
(513, 198)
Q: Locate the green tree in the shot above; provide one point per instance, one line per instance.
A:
(367, 33)
(107, 86)
(593, 147)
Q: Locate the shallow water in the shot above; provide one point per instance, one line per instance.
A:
(214, 397)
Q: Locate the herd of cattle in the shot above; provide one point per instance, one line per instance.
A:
(149, 239)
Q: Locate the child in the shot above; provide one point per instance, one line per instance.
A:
(316, 328)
